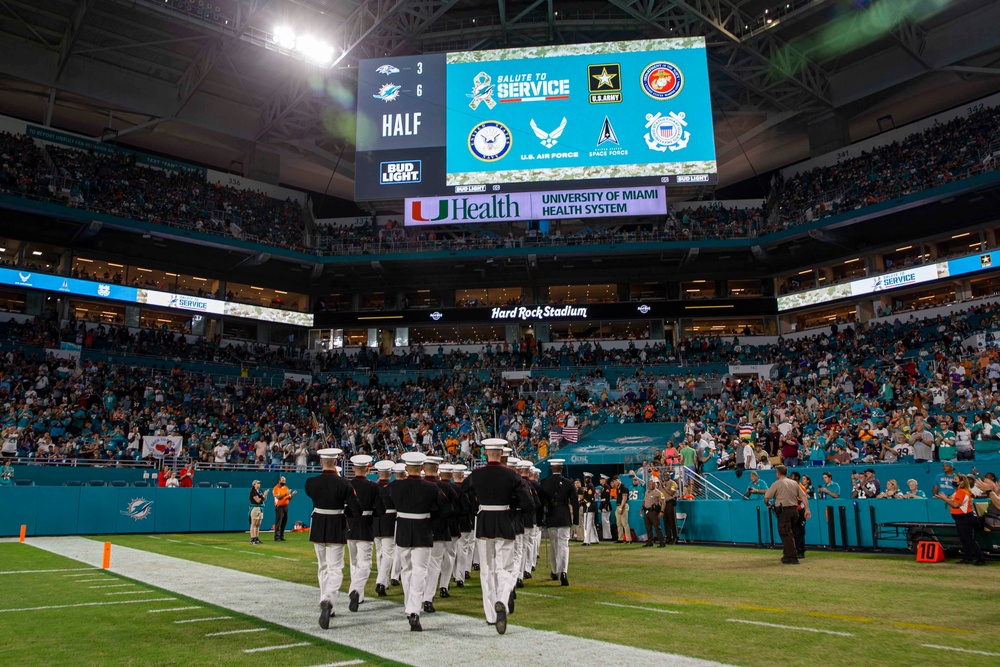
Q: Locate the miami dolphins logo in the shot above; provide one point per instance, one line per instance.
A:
(138, 509)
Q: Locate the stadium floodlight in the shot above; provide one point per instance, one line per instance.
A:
(284, 37)
(314, 49)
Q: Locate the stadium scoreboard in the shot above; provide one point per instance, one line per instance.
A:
(583, 116)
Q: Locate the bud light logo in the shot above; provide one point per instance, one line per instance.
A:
(404, 171)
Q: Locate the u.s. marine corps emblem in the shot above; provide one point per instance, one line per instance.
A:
(666, 132)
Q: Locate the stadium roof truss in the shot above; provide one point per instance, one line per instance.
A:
(224, 73)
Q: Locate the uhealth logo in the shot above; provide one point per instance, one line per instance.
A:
(403, 171)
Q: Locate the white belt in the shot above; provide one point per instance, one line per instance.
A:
(317, 510)
(390, 511)
(367, 513)
(494, 508)
(408, 515)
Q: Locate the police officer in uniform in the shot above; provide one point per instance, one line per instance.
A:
(416, 501)
(360, 529)
(497, 490)
(785, 495)
(560, 498)
(333, 500)
(384, 529)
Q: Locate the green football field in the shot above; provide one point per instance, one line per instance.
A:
(736, 606)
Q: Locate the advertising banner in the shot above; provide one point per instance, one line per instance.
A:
(599, 203)
(157, 446)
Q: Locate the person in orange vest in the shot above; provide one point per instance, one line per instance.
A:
(282, 496)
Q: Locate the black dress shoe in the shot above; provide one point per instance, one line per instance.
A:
(563, 579)
(475, 566)
(380, 590)
(648, 544)
(444, 593)
(802, 555)
(789, 561)
(429, 608)
(501, 622)
(526, 575)
(520, 583)
(510, 602)
(414, 620)
(662, 545)
(467, 573)
(394, 582)
(555, 577)
(460, 583)
(355, 601)
(325, 612)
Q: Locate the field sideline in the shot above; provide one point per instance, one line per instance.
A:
(737, 606)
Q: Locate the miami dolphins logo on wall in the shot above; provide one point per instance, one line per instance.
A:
(138, 508)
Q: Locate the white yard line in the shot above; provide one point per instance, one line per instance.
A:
(128, 593)
(284, 558)
(252, 595)
(174, 541)
(789, 627)
(539, 595)
(109, 585)
(252, 553)
(201, 620)
(89, 570)
(86, 604)
(961, 650)
(276, 648)
(345, 663)
(160, 611)
(90, 581)
(219, 548)
(154, 537)
(235, 632)
(632, 606)
(86, 574)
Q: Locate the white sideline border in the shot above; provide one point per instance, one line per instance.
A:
(250, 595)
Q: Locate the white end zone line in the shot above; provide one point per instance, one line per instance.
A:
(276, 648)
(199, 620)
(160, 611)
(89, 570)
(961, 650)
(235, 632)
(788, 627)
(631, 606)
(87, 604)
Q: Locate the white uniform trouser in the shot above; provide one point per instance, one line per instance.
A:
(529, 549)
(361, 565)
(559, 549)
(496, 573)
(605, 525)
(413, 575)
(538, 543)
(589, 528)
(433, 570)
(517, 567)
(463, 557)
(448, 563)
(396, 562)
(385, 552)
(330, 559)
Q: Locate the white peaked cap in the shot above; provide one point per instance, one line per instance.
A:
(414, 458)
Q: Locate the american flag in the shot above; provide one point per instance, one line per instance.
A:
(570, 433)
(555, 434)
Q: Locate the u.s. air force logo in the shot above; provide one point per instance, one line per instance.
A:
(666, 132)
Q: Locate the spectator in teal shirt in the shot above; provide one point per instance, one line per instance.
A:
(830, 488)
(757, 486)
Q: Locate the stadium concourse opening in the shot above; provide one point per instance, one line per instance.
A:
(475, 334)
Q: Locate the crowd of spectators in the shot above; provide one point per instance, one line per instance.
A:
(879, 394)
(113, 183)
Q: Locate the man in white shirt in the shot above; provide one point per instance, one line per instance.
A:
(749, 460)
(220, 451)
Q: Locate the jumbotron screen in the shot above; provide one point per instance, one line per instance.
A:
(527, 119)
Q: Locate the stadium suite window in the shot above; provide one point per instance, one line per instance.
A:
(648, 292)
(469, 335)
(698, 289)
(606, 293)
(988, 286)
(355, 337)
(495, 296)
(12, 302)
